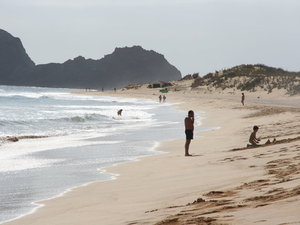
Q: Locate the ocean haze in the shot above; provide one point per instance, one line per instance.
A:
(195, 36)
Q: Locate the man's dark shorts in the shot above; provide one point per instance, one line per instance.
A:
(189, 134)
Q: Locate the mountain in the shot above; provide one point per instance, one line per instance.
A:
(128, 65)
(124, 66)
(13, 59)
(252, 78)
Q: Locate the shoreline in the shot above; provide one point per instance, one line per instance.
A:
(161, 174)
(152, 150)
(103, 170)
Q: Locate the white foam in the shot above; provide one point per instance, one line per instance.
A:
(18, 155)
(9, 165)
(24, 120)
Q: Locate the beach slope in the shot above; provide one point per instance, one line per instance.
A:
(221, 183)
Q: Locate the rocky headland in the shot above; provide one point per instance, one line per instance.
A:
(128, 65)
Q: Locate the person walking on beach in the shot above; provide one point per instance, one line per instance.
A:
(159, 98)
(243, 98)
(164, 98)
(189, 131)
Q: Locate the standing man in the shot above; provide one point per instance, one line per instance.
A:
(189, 131)
(243, 98)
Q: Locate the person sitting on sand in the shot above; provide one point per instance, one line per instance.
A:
(254, 140)
(189, 129)
(120, 112)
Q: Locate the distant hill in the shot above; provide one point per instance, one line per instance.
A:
(252, 78)
(128, 65)
(13, 59)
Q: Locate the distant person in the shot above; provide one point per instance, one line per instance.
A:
(189, 131)
(243, 98)
(254, 141)
(159, 98)
(115, 89)
(164, 98)
(120, 112)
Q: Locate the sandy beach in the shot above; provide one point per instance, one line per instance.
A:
(221, 183)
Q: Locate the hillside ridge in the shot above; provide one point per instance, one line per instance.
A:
(124, 66)
(251, 77)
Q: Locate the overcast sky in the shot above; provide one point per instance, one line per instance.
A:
(194, 35)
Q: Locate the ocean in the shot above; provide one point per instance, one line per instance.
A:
(67, 140)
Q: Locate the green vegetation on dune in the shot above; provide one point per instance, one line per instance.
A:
(252, 78)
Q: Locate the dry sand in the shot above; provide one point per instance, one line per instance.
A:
(222, 183)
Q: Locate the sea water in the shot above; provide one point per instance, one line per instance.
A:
(82, 135)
